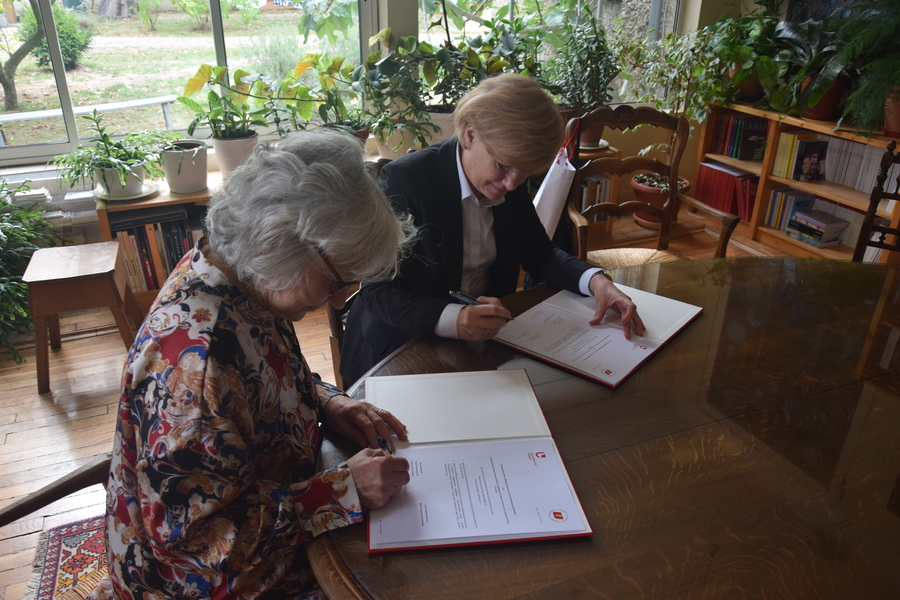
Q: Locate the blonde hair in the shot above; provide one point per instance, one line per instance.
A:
(517, 120)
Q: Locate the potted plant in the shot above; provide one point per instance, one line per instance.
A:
(746, 43)
(228, 115)
(869, 40)
(811, 73)
(22, 231)
(681, 74)
(395, 92)
(184, 163)
(118, 166)
(583, 70)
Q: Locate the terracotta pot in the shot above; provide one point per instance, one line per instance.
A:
(108, 179)
(892, 115)
(185, 164)
(827, 108)
(362, 135)
(749, 89)
(591, 138)
(656, 197)
(231, 153)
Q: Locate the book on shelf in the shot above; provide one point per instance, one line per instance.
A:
(139, 235)
(784, 204)
(130, 265)
(810, 235)
(809, 160)
(483, 464)
(740, 137)
(557, 331)
(787, 149)
(119, 221)
(726, 188)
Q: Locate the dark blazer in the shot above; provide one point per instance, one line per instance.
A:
(425, 184)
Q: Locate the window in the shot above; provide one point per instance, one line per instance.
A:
(137, 62)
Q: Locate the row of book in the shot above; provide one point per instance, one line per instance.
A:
(856, 165)
(173, 232)
(740, 136)
(800, 155)
(727, 188)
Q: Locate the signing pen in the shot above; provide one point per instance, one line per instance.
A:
(467, 299)
(385, 447)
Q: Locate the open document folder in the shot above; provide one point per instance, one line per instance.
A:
(483, 465)
(557, 331)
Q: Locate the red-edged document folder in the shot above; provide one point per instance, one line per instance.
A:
(557, 331)
(484, 468)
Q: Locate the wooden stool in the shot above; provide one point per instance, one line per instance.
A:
(75, 278)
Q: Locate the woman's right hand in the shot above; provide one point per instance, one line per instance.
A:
(378, 477)
(480, 322)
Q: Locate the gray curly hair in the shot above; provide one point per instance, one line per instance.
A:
(310, 191)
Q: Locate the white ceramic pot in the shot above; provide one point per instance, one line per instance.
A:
(445, 122)
(230, 154)
(185, 164)
(109, 181)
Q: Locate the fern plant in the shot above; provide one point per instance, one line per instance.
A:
(22, 232)
(868, 39)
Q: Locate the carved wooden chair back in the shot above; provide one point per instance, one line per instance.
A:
(872, 234)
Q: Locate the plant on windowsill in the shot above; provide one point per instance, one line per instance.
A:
(119, 166)
(23, 230)
(395, 92)
(229, 116)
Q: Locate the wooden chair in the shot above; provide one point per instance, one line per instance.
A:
(869, 227)
(337, 319)
(627, 117)
(75, 278)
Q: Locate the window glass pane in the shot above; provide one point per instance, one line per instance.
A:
(31, 106)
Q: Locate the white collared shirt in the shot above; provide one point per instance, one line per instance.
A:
(479, 251)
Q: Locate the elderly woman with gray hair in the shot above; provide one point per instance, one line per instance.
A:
(213, 488)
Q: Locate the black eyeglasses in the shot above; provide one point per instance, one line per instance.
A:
(342, 285)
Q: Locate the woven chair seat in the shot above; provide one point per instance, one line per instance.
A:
(616, 258)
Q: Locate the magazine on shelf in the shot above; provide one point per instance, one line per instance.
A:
(483, 465)
(557, 331)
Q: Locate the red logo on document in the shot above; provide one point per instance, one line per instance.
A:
(609, 372)
(540, 454)
(559, 515)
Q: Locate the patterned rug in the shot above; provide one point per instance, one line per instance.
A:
(70, 558)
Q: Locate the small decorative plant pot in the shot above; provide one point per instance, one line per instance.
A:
(657, 197)
(231, 153)
(185, 164)
(112, 187)
(828, 107)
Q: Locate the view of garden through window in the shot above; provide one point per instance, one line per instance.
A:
(146, 55)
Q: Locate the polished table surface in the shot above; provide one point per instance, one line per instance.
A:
(757, 455)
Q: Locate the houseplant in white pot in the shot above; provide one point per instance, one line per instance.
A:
(228, 116)
(185, 164)
(120, 167)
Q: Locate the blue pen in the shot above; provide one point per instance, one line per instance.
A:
(385, 447)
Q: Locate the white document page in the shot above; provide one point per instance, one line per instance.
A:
(476, 405)
(558, 330)
(479, 492)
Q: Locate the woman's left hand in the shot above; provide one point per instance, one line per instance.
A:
(362, 422)
(607, 296)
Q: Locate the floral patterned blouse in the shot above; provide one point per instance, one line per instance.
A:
(213, 488)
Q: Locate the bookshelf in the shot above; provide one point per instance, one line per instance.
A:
(756, 228)
(161, 198)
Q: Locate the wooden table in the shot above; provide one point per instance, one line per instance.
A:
(756, 456)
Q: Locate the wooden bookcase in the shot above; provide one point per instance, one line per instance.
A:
(756, 228)
(162, 197)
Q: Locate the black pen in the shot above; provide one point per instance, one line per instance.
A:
(385, 447)
(467, 299)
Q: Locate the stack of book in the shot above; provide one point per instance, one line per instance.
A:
(816, 228)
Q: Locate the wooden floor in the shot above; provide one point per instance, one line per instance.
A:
(42, 437)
